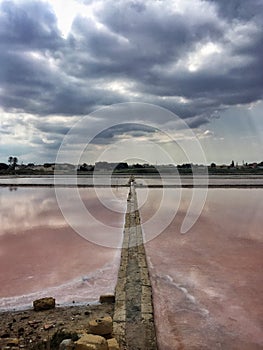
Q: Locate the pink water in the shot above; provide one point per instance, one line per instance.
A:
(208, 283)
(40, 254)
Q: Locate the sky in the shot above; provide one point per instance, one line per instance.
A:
(120, 75)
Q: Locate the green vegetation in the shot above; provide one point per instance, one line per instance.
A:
(13, 168)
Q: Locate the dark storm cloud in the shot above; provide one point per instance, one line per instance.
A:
(28, 23)
(145, 47)
(26, 27)
(240, 9)
(51, 128)
(134, 42)
(194, 122)
(145, 43)
(31, 76)
(110, 135)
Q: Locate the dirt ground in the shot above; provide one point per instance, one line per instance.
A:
(25, 329)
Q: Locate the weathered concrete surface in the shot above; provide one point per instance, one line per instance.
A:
(133, 322)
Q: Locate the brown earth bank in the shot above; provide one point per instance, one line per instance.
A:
(31, 329)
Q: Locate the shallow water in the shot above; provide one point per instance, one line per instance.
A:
(40, 254)
(208, 283)
(85, 180)
(101, 179)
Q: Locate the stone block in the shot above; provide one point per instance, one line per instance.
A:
(146, 308)
(120, 289)
(119, 316)
(44, 304)
(122, 271)
(119, 329)
(146, 295)
(147, 317)
(101, 326)
(141, 249)
(107, 299)
(91, 342)
(142, 260)
(113, 344)
(145, 276)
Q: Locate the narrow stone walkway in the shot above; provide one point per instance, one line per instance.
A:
(133, 321)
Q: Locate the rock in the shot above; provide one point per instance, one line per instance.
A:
(34, 324)
(48, 326)
(21, 330)
(12, 342)
(113, 344)
(91, 342)
(44, 304)
(101, 326)
(107, 298)
(66, 344)
(5, 335)
(25, 317)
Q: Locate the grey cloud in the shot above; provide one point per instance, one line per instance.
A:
(244, 10)
(134, 43)
(194, 122)
(5, 132)
(27, 28)
(51, 128)
(29, 24)
(111, 134)
(53, 142)
(137, 44)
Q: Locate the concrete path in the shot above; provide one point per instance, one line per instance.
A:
(133, 321)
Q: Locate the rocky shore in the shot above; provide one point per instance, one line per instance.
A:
(46, 329)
